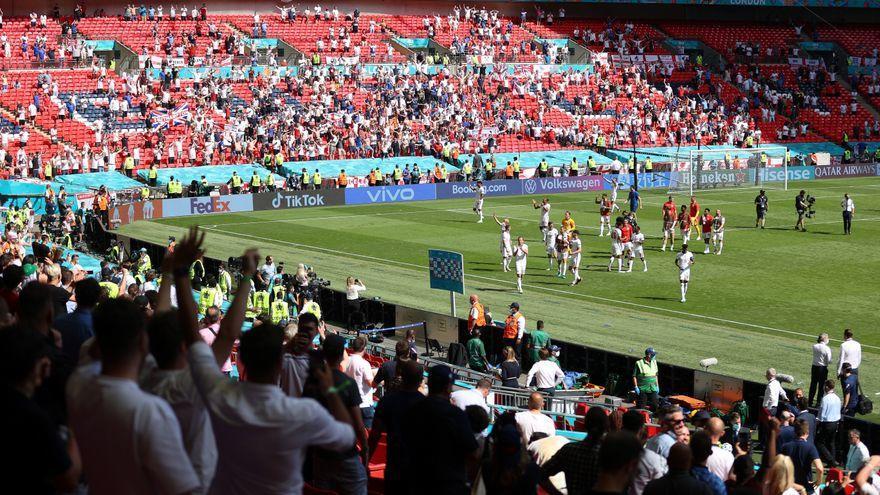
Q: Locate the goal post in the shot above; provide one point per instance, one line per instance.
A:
(716, 167)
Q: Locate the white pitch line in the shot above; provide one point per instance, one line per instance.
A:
(507, 282)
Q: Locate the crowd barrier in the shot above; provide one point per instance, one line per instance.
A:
(284, 200)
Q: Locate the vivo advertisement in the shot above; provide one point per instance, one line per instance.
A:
(205, 205)
(390, 194)
(455, 190)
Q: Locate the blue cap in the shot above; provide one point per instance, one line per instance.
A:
(650, 352)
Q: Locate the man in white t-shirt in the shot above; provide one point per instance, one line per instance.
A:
(476, 396)
(720, 462)
(479, 195)
(130, 440)
(684, 261)
(533, 420)
(360, 370)
(550, 234)
(544, 222)
(521, 256)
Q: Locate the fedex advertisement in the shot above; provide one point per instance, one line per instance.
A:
(390, 194)
(554, 185)
(456, 190)
(206, 205)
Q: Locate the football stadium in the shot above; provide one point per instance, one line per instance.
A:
(554, 247)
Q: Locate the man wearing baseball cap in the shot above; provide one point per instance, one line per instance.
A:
(514, 326)
(645, 380)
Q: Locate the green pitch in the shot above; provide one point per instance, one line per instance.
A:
(761, 303)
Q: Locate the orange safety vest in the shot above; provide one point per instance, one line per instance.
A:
(481, 317)
(372, 178)
(509, 171)
(511, 326)
(342, 180)
(437, 173)
(102, 202)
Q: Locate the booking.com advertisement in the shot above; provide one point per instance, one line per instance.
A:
(454, 190)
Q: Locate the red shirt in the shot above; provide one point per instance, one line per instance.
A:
(669, 209)
(695, 209)
(626, 233)
(706, 221)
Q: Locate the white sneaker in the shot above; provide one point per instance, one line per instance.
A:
(706, 252)
(520, 291)
(683, 300)
(573, 282)
(646, 269)
(629, 270)
(663, 248)
(479, 221)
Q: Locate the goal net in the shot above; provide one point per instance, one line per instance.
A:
(729, 167)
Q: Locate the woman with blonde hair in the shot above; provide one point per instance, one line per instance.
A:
(510, 368)
(779, 479)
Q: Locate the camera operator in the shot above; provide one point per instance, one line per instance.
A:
(801, 206)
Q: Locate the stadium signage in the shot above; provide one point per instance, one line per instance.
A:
(794, 173)
(719, 177)
(493, 188)
(181, 207)
(284, 200)
(853, 170)
(562, 184)
(646, 180)
(390, 194)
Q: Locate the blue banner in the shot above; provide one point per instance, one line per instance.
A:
(646, 180)
(555, 185)
(446, 270)
(794, 173)
(493, 188)
(390, 194)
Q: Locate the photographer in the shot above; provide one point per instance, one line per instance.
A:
(353, 288)
(801, 206)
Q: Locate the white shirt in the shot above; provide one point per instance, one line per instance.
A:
(362, 373)
(821, 354)
(294, 370)
(129, 440)
(545, 214)
(720, 462)
(261, 433)
(521, 252)
(547, 374)
(848, 205)
(177, 388)
(850, 352)
(684, 260)
(550, 237)
(772, 393)
(480, 192)
(529, 422)
(352, 292)
(543, 450)
(468, 397)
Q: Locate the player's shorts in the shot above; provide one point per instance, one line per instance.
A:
(551, 251)
(685, 233)
(478, 204)
(627, 246)
(760, 212)
(639, 251)
(669, 228)
(605, 218)
(542, 226)
(616, 249)
(695, 221)
(707, 236)
(506, 250)
(684, 275)
(718, 236)
(576, 260)
(521, 266)
(562, 255)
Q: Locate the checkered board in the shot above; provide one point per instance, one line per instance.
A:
(446, 270)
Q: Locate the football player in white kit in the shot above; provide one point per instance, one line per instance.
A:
(615, 186)
(616, 246)
(574, 245)
(506, 249)
(684, 261)
(638, 250)
(605, 206)
(544, 206)
(521, 253)
(480, 191)
(561, 254)
(550, 234)
(718, 232)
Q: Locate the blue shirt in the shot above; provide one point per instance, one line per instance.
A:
(634, 200)
(829, 410)
(802, 455)
(75, 328)
(851, 387)
(715, 484)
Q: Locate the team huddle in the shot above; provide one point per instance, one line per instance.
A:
(564, 247)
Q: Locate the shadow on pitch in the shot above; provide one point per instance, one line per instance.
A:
(657, 298)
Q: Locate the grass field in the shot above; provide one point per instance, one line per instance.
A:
(759, 304)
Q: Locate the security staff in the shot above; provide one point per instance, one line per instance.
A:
(316, 180)
(235, 182)
(514, 326)
(310, 306)
(849, 209)
(591, 164)
(468, 170)
(398, 174)
(477, 314)
(645, 380)
(543, 167)
(144, 263)
(128, 165)
(342, 180)
(208, 295)
(516, 167)
(259, 304)
(574, 169)
(255, 182)
(649, 165)
(304, 179)
(444, 175)
(270, 182)
(152, 176)
(224, 281)
(279, 312)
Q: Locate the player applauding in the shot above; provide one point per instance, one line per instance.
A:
(506, 249)
(574, 245)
